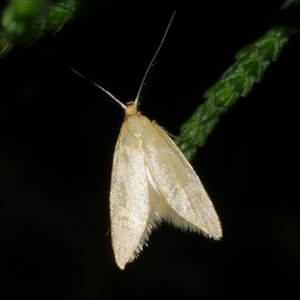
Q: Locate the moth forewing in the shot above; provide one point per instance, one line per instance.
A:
(129, 204)
(180, 186)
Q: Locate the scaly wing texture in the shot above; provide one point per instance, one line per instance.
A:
(129, 198)
(186, 204)
(152, 180)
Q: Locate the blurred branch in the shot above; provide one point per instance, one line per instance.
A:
(24, 22)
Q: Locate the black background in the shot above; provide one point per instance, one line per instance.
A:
(58, 138)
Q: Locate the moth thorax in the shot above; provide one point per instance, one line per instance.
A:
(131, 109)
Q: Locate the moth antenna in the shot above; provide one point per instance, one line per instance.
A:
(152, 60)
(101, 88)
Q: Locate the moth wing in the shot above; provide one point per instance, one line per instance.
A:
(129, 203)
(187, 204)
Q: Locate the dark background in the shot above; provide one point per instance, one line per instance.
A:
(58, 135)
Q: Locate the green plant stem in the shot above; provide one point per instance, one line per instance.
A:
(237, 81)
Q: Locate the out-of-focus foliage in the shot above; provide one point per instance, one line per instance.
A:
(24, 22)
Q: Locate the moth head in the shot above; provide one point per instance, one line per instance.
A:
(131, 109)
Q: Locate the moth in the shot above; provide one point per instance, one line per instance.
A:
(152, 181)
